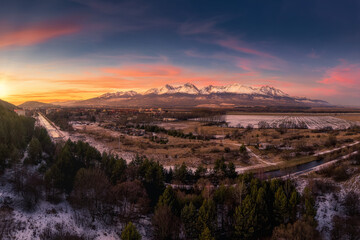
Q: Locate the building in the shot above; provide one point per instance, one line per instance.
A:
(20, 112)
(264, 146)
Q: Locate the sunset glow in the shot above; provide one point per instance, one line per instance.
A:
(3, 89)
(90, 48)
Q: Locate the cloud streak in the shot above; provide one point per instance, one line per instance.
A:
(36, 34)
(144, 70)
(345, 75)
(233, 44)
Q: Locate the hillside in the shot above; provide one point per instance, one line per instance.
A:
(7, 105)
(35, 104)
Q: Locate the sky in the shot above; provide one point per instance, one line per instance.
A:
(57, 50)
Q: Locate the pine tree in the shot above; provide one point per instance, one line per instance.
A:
(231, 172)
(118, 170)
(309, 206)
(207, 215)
(293, 205)
(34, 151)
(130, 232)
(168, 198)
(206, 235)
(242, 149)
(280, 206)
(189, 217)
(245, 219)
(262, 211)
(181, 173)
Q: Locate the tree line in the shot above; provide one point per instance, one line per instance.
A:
(15, 134)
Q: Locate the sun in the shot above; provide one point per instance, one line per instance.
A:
(3, 89)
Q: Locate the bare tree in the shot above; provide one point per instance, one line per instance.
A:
(91, 190)
(130, 199)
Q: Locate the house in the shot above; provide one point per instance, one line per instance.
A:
(20, 112)
(263, 146)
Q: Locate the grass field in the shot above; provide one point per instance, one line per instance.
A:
(349, 117)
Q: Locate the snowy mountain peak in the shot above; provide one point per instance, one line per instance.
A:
(152, 91)
(268, 90)
(189, 88)
(119, 94)
(234, 88)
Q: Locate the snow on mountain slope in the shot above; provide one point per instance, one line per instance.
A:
(271, 91)
(119, 94)
(191, 89)
(168, 89)
(188, 95)
(236, 88)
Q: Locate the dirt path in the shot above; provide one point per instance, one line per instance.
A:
(336, 149)
(251, 153)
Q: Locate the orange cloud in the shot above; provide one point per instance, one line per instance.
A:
(36, 34)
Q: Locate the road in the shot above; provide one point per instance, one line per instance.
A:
(55, 134)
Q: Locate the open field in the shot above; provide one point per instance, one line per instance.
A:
(349, 117)
(175, 151)
(284, 145)
(294, 146)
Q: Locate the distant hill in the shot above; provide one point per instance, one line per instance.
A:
(35, 104)
(188, 95)
(7, 105)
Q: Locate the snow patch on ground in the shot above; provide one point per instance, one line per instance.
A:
(330, 204)
(327, 207)
(48, 216)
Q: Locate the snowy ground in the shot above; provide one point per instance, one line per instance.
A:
(28, 225)
(329, 204)
(312, 122)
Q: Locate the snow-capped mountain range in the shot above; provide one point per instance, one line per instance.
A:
(191, 89)
(188, 96)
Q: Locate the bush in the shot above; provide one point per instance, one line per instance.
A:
(299, 230)
(351, 204)
(337, 172)
(340, 174)
(345, 228)
(331, 141)
(59, 233)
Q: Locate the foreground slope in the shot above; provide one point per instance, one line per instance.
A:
(35, 104)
